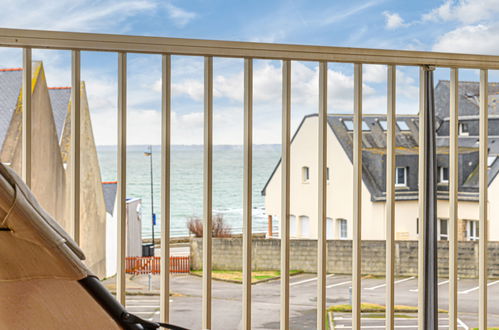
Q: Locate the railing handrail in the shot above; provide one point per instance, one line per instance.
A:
(237, 49)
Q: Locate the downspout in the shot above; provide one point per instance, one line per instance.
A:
(430, 207)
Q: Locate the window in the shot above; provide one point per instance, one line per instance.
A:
(304, 226)
(349, 125)
(443, 174)
(444, 229)
(327, 174)
(464, 129)
(473, 230)
(491, 160)
(329, 228)
(292, 226)
(401, 176)
(403, 125)
(342, 228)
(305, 174)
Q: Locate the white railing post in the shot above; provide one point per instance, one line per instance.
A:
(27, 116)
(390, 197)
(207, 186)
(322, 201)
(357, 199)
(483, 187)
(165, 188)
(285, 192)
(453, 197)
(75, 143)
(122, 85)
(422, 201)
(247, 191)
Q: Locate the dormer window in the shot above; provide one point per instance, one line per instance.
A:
(464, 129)
(491, 160)
(349, 125)
(305, 174)
(401, 176)
(403, 125)
(443, 174)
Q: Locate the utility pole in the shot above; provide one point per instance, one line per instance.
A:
(148, 153)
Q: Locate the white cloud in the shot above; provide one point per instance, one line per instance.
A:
(393, 21)
(465, 11)
(440, 13)
(179, 16)
(477, 30)
(351, 11)
(75, 15)
(480, 38)
(374, 73)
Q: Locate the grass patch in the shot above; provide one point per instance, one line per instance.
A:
(237, 276)
(383, 315)
(375, 308)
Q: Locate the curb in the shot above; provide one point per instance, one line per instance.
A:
(240, 282)
(146, 293)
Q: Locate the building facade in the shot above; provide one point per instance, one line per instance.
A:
(304, 173)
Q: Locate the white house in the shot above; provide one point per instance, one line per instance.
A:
(304, 173)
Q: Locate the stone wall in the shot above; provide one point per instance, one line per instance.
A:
(227, 255)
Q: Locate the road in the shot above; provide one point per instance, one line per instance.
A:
(186, 308)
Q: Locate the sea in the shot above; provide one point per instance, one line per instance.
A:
(187, 183)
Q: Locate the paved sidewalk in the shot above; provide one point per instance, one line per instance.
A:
(135, 284)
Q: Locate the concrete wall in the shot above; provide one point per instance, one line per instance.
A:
(227, 255)
(92, 205)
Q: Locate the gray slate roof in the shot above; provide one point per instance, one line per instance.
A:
(109, 189)
(374, 141)
(374, 155)
(374, 151)
(59, 98)
(10, 86)
(469, 97)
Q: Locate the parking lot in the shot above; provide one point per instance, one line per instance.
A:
(344, 321)
(186, 306)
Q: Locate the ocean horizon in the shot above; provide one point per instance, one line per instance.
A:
(187, 183)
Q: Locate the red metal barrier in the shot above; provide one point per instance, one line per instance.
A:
(146, 265)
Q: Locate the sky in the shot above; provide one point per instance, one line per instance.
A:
(464, 26)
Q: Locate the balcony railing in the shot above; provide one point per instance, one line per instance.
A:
(166, 47)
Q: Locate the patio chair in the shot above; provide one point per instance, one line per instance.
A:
(43, 282)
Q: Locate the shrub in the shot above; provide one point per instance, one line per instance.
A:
(195, 226)
(218, 226)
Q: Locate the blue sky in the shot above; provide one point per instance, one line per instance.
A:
(458, 26)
